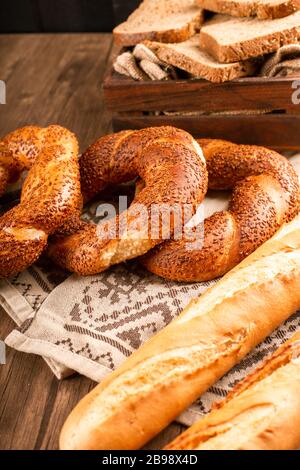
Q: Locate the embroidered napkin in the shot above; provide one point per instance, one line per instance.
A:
(91, 325)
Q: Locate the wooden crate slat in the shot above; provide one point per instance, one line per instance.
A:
(124, 95)
(280, 131)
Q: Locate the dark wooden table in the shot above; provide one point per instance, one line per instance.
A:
(50, 79)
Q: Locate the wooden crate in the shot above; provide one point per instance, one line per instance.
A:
(136, 105)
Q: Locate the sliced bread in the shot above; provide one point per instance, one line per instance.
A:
(160, 20)
(262, 9)
(230, 39)
(189, 57)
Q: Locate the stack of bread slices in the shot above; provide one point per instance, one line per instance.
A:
(218, 40)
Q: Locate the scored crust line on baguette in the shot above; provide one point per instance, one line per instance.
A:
(287, 352)
(262, 9)
(265, 405)
(171, 370)
(258, 255)
(172, 21)
(227, 292)
(198, 357)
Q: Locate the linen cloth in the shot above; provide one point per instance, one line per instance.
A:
(283, 63)
(92, 324)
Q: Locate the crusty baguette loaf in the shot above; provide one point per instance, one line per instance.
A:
(176, 366)
(164, 21)
(188, 56)
(230, 39)
(261, 413)
(262, 9)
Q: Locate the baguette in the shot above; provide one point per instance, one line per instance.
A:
(176, 366)
(262, 9)
(167, 21)
(230, 39)
(189, 57)
(261, 413)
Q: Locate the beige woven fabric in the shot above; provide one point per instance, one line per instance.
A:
(285, 62)
(142, 64)
(91, 325)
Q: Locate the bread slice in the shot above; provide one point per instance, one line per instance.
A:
(160, 20)
(189, 57)
(262, 9)
(230, 39)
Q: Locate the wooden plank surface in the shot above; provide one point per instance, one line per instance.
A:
(55, 79)
(50, 79)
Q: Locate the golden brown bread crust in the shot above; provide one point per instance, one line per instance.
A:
(176, 366)
(271, 10)
(50, 194)
(285, 31)
(18, 151)
(261, 413)
(171, 164)
(125, 34)
(265, 195)
(289, 351)
(167, 36)
(188, 56)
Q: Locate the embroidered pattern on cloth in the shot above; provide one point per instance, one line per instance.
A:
(91, 325)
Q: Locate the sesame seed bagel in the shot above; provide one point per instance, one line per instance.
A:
(50, 194)
(265, 194)
(18, 152)
(171, 164)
